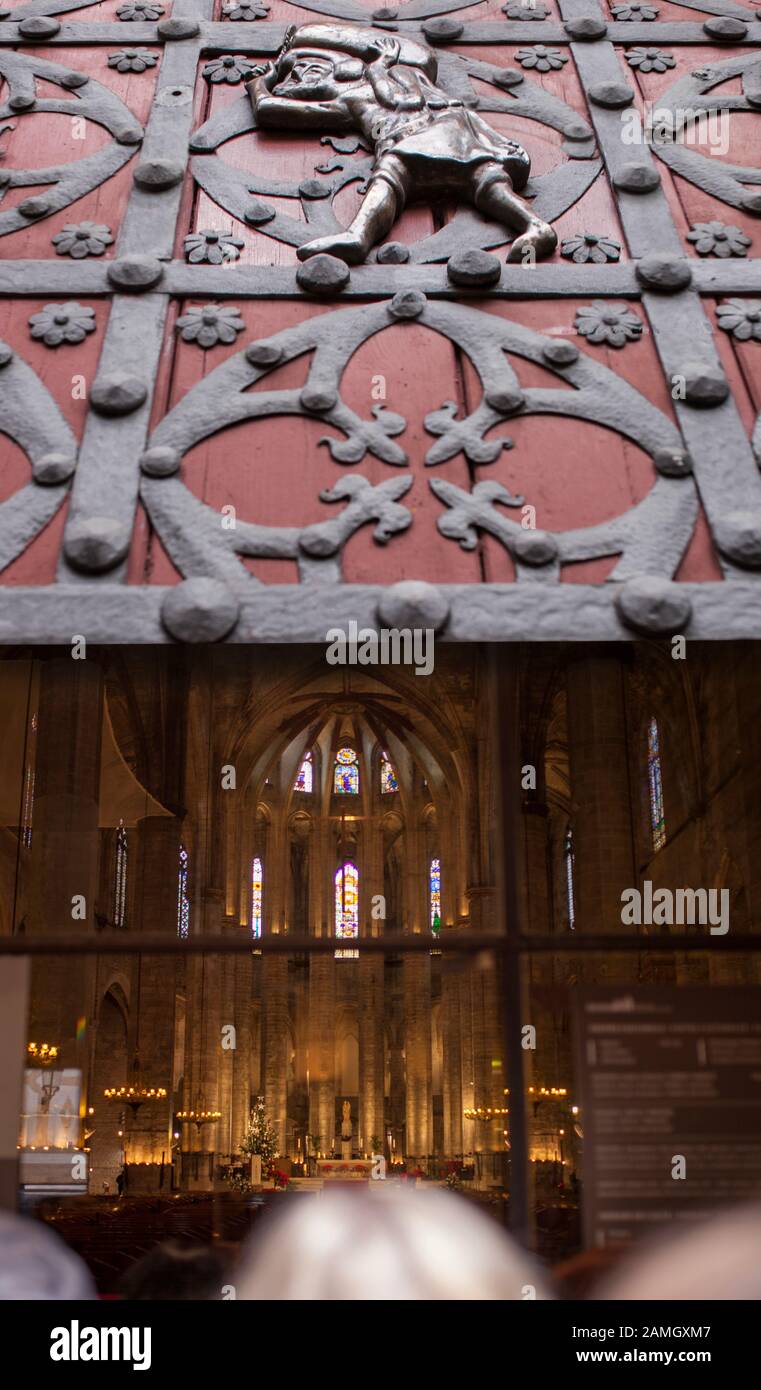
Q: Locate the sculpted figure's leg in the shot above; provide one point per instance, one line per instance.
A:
(494, 196)
(384, 200)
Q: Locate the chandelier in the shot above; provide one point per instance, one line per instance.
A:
(41, 1053)
(199, 1117)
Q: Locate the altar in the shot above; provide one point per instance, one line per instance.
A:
(344, 1169)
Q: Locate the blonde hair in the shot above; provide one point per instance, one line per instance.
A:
(386, 1243)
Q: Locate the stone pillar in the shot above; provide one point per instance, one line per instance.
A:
(14, 1002)
(154, 987)
(601, 797)
(370, 999)
(242, 1081)
(417, 1051)
(452, 1057)
(65, 850)
(322, 991)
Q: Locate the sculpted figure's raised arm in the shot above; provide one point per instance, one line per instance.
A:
(335, 78)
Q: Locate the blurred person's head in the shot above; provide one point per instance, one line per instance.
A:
(396, 1244)
(176, 1271)
(35, 1264)
(713, 1259)
(580, 1275)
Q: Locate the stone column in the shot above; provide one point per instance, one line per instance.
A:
(601, 797)
(370, 999)
(417, 1003)
(322, 992)
(275, 989)
(64, 851)
(154, 986)
(452, 1057)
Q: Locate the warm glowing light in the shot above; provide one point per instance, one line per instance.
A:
(303, 782)
(346, 772)
(347, 906)
(257, 896)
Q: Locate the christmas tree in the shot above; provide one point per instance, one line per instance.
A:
(260, 1137)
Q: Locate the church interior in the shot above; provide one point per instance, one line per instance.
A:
(380, 822)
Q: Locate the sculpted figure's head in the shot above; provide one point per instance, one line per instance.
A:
(315, 76)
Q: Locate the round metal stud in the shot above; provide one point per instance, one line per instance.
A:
(23, 101)
(161, 461)
(611, 94)
(154, 175)
(314, 189)
(664, 273)
(199, 610)
(586, 28)
(96, 543)
(535, 548)
(178, 28)
(560, 354)
(393, 253)
(263, 354)
(35, 207)
(412, 603)
(128, 134)
(653, 606)
(634, 177)
(318, 398)
(323, 275)
(508, 77)
(738, 536)
(407, 304)
(672, 463)
(504, 399)
(53, 468)
(442, 30)
(705, 387)
(6, 355)
(118, 393)
(38, 27)
(472, 269)
(257, 213)
(134, 273)
(723, 27)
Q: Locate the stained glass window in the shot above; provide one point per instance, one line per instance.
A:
(257, 892)
(120, 877)
(569, 864)
(347, 907)
(655, 786)
(303, 782)
(388, 776)
(346, 772)
(434, 882)
(183, 901)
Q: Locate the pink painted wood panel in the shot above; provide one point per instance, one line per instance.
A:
(40, 139)
(67, 372)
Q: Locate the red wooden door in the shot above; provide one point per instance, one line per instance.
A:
(200, 441)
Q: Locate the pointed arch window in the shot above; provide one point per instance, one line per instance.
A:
(257, 895)
(183, 901)
(569, 858)
(347, 907)
(388, 776)
(346, 772)
(304, 781)
(434, 893)
(655, 785)
(120, 877)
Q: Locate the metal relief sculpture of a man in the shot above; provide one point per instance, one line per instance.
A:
(338, 78)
